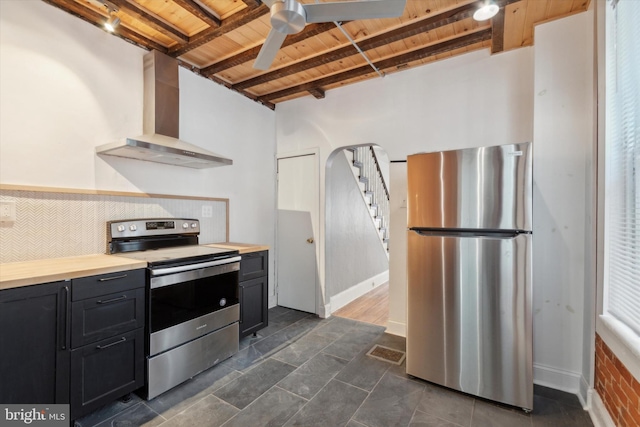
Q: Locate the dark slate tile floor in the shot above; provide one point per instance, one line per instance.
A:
(306, 371)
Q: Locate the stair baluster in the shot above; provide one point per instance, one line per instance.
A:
(375, 189)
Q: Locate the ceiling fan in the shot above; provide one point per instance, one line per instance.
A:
(291, 16)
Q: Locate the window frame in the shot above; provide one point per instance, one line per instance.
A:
(621, 339)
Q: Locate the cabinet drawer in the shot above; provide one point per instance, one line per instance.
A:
(254, 264)
(95, 286)
(102, 317)
(106, 370)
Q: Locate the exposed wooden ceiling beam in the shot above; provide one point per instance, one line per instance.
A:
(310, 30)
(141, 26)
(497, 32)
(252, 3)
(135, 11)
(234, 21)
(415, 55)
(195, 9)
(317, 93)
(94, 18)
(428, 24)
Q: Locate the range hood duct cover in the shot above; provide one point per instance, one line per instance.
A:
(160, 143)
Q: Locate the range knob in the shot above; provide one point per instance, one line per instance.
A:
(121, 228)
(133, 227)
(194, 225)
(185, 225)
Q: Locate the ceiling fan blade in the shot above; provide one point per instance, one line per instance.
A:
(269, 50)
(352, 10)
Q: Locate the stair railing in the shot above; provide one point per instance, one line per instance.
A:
(375, 186)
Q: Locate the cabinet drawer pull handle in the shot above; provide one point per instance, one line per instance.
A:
(102, 347)
(107, 301)
(106, 279)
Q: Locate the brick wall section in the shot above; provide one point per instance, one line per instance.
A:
(617, 388)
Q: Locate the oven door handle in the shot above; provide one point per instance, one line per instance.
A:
(180, 269)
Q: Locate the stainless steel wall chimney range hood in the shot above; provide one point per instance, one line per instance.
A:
(160, 142)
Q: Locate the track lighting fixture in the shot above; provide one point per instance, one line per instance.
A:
(488, 10)
(112, 23)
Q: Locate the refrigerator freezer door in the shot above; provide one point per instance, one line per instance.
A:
(475, 188)
(469, 323)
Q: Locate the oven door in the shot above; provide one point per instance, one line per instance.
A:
(190, 301)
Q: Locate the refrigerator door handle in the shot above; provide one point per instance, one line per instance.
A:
(494, 234)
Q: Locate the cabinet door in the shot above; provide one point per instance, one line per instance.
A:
(106, 316)
(106, 370)
(34, 338)
(253, 305)
(253, 265)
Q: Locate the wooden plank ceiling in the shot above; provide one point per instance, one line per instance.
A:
(220, 39)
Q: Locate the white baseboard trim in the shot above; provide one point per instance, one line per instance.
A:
(325, 311)
(356, 291)
(558, 379)
(584, 394)
(598, 413)
(396, 328)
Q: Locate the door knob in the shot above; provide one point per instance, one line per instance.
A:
(310, 240)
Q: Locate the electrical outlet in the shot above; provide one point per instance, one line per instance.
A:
(207, 211)
(8, 211)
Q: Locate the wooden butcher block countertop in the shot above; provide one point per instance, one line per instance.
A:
(243, 248)
(16, 274)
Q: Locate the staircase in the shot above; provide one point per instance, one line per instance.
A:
(366, 170)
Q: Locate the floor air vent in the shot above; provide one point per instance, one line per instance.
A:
(387, 354)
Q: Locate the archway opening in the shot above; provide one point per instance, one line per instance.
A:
(357, 235)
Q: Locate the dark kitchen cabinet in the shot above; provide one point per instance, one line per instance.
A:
(253, 289)
(107, 339)
(34, 343)
(106, 370)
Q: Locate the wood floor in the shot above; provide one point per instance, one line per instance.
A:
(372, 307)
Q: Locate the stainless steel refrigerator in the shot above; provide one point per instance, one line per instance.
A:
(469, 321)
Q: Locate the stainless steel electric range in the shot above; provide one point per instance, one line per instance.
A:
(192, 297)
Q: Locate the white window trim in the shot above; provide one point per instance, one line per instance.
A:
(622, 341)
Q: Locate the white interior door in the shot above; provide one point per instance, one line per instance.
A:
(298, 212)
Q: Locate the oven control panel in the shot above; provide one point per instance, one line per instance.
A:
(152, 227)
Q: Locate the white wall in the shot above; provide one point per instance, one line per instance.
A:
(472, 100)
(478, 100)
(563, 189)
(67, 86)
(397, 323)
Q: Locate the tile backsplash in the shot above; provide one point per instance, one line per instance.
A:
(54, 225)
